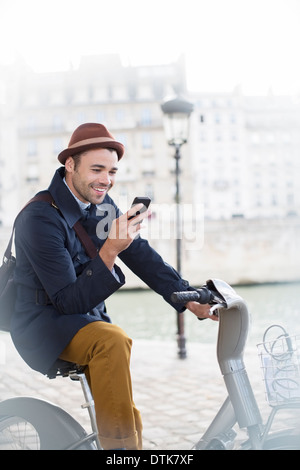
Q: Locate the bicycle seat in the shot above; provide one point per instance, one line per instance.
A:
(63, 369)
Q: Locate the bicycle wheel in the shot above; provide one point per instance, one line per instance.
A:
(18, 434)
(281, 440)
(286, 440)
(30, 423)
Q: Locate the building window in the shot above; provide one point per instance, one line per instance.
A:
(274, 200)
(32, 173)
(233, 119)
(202, 136)
(57, 123)
(69, 96)
(146, 140)
(120, 115)
(100, 116)
(90, 93)
(146, 118)
(31, 148)
(131, 90)
(57, 146)
(31, 124)
(81, 117)
(148, 166)
(217, 118)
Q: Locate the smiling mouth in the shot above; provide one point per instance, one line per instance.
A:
(100, 189)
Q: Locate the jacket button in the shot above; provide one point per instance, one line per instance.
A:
(89, 272)
(185, 283)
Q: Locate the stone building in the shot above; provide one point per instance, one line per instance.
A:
(239, 171)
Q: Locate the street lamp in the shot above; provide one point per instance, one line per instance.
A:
(177, 111)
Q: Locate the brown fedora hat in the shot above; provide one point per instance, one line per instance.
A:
(90, 136)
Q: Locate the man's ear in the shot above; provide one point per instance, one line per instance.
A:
(69, 164)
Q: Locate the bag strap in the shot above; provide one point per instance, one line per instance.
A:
(86, 240)
(83, 236)
(81, 233)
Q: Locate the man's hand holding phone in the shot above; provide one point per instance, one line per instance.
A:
(139, 209)
(124, 230)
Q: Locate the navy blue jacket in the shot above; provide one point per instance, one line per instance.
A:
(60, 289)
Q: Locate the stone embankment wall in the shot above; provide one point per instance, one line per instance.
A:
(248, 251)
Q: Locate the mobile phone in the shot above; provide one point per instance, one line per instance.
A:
(140, 200)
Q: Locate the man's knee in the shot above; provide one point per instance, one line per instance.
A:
(112, 337)
(120, 338)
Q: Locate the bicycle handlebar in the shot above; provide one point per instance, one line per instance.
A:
(203, 296)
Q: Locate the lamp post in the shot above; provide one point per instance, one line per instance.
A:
(177, 111)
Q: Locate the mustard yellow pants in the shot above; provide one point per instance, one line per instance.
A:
(105, 350)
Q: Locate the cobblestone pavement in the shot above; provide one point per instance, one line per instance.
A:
(178, 398)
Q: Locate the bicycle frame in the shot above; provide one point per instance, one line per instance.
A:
(89, 404)
(240, 406)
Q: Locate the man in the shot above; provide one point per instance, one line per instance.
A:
(60, 310)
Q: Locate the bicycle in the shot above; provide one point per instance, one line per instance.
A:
(30, 423)
(280, 364)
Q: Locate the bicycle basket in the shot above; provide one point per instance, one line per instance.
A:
(281, 368)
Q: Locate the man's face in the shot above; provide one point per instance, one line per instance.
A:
(93, 176)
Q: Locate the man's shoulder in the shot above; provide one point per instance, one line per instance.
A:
(39, 209)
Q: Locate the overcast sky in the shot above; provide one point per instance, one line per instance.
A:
(252, 43)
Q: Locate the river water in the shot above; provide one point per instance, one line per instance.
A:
(145, 315)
